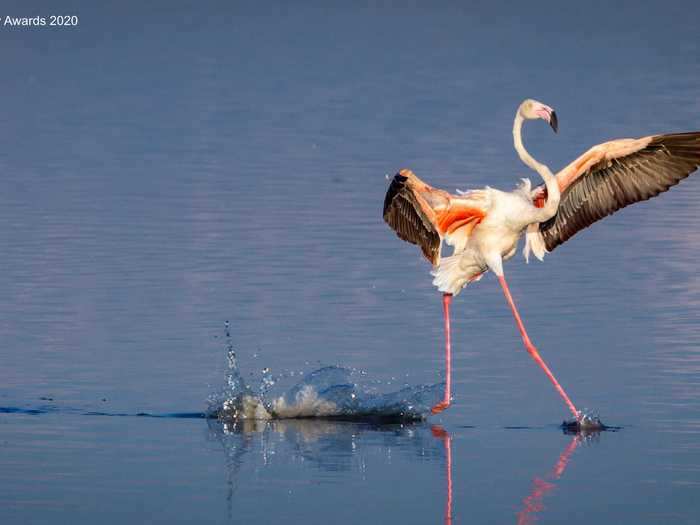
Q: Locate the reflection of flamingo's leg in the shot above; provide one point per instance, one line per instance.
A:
(564, 457)
(533, 502)
(441, 433)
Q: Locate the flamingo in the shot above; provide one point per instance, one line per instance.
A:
(484, 226)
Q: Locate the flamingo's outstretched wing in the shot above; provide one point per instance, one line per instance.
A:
(613, 175)
(423, 215)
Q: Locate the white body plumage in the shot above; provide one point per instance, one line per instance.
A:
(493, 240)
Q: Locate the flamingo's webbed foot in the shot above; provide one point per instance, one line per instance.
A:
(442, 405)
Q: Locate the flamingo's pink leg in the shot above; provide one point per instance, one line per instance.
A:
(442, 405)
(533, 351)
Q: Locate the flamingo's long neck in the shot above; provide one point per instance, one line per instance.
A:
(550, 181)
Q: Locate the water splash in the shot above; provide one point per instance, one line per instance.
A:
(331, 392)
(587, 421)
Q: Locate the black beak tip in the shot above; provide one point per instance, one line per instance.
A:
(554, 122)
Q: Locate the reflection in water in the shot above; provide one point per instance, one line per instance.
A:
(341, 446)
(533, 504)
(330, 446)
(442, 434)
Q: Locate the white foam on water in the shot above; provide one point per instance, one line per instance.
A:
(306, 403)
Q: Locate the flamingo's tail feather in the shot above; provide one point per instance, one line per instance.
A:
(450, 277)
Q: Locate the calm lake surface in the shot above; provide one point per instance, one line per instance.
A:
(166, 169)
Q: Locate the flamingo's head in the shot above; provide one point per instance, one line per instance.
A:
(532, 109)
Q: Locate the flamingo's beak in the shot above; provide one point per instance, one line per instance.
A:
(553, 121)
(548, 115)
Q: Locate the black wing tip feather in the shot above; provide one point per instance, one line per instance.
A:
(402, 213)
(397, 185)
